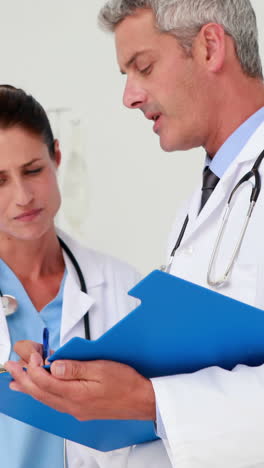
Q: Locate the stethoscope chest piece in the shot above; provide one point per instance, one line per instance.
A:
(9, 304)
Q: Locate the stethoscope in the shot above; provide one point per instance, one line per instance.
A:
(10, 304)
(223, 278)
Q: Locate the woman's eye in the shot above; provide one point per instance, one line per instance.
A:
(34, 171)
(2, 181)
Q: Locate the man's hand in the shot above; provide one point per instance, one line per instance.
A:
(87, 390)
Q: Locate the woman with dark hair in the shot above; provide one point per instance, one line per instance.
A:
(36, 269)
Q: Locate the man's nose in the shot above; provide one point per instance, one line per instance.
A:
(134, 96)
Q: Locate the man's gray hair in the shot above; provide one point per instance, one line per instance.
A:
(185, 18)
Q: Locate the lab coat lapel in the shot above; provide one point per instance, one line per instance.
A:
(75, 302)
(5, 345)
(221, 193)
(75, 305)
(196, 219)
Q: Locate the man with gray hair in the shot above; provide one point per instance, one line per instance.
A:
(192, 67)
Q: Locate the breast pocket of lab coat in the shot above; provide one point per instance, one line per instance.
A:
(243, 283)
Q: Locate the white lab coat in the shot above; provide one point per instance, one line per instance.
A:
(107, 281)
(215, 418)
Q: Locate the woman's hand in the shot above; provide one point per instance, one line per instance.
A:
(25, 348)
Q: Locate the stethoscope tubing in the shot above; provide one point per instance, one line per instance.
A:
(254, 172)
(218, 283)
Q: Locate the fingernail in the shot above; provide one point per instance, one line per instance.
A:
(14, 386)
(58, 369)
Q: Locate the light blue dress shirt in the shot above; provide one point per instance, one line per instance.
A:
(22, 446)
(234, 144)
(218, 165)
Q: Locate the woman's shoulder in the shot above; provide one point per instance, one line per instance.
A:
(93, 259)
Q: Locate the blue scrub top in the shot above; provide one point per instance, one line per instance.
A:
(22, 446)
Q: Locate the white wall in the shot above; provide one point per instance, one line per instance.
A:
(124, 194)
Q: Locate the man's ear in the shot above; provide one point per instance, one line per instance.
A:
(57, 153)
(211, 44)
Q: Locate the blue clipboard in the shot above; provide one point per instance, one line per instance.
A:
(179, 327)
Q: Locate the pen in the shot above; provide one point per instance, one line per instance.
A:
(45, 352)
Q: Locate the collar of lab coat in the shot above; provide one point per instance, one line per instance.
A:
(246, 158)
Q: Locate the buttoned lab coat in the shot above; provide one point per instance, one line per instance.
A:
(215, 418)
(107, 281)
